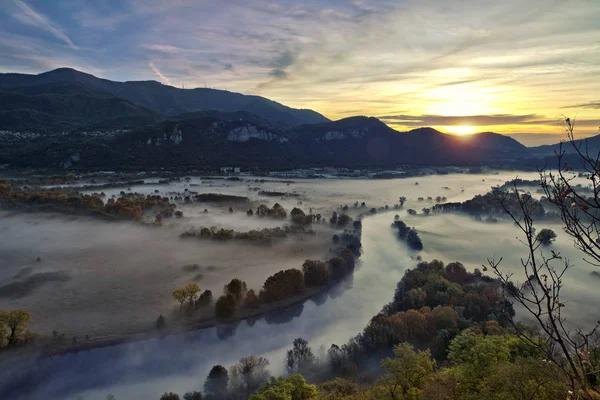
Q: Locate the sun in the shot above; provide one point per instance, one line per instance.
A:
(461, 129)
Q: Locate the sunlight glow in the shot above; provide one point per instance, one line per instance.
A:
(461, 129)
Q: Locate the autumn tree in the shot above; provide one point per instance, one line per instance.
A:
(16, 322)
(540, 295)
(180, 295)
(191, 291)
(578, 209)
(281, 285)
(315, 273)
(300, 357)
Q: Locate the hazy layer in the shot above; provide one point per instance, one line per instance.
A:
(122, 272)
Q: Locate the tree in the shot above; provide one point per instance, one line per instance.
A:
(169, 396)
(315, 273)
(160, 322)
(191, 290)
(225, 306)
(251, 300)
(300, 357)
(192, 396)
(253, 372)
(540, 295)
(294, 387)
(546, 236)
(337, 268)
(16, 321)
(402, 200)
(343, 220)
(281, 285)
(205, 299)
(349, 258)
(216, 382)
(180, 295)
(406, 371)
(580, 212)
(237, 288)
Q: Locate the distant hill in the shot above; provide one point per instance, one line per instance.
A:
(213, 139)
(591, 144)
(70, 119)
(162, 99)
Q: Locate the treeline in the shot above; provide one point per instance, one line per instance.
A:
(261, 236)
(490, 205)
(278, 287)
(129, 206)
(447, 334)
(407, 234)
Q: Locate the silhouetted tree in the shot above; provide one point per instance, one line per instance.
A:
(251, 300)
(237, 288)
(546, 236)
(169, 396)
(192, 396)
(225, 306)
(215, 386)
(300, 357)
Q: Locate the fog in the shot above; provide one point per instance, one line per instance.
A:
(96, 278)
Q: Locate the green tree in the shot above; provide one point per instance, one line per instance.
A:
(406, 371)
(294, 387)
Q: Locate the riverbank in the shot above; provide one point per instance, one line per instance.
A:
(44, 349)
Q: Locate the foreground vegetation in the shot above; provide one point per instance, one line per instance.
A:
(447, 334)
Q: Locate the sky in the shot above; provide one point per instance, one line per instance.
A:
(514, 67)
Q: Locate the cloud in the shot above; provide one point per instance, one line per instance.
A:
(476, 120)
(30, 17)
(592, 104)
(159, 74)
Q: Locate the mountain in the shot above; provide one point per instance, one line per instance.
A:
(162, 99)
(591, 145)
(63, 106)
(213, 139)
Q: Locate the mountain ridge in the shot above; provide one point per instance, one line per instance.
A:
(168, 100)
